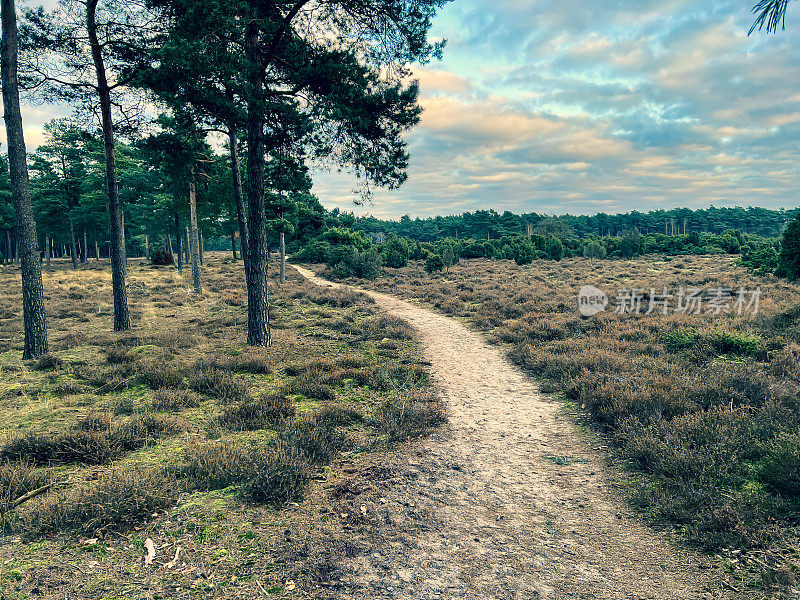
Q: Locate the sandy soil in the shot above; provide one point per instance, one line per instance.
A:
(510, 500)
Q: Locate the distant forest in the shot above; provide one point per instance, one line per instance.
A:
(489, 224)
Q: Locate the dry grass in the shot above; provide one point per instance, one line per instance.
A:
(177, 430)
(703, 410)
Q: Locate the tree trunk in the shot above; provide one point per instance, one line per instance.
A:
(233, 244)
(195, 239)
(48, 249)
(122, 319)
(168, 247)
(283, 257)
(258, 333)
(188, 246)
(202, 247)
(124, 241)
(96, 250)
(9, 250)
(33, 311)
(178, 241)
(147, 247)
(73, 245)
(241, 215)
(85, 249)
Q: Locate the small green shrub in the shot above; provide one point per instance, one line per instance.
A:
(159, 374)
(317, 436)
(282, 476)
(17, 479)
(268, 475)
(780, 468)
(434, 264)
(161, 258)
(409, 416)
(258, 414)
(681, 339)
(120, 500)
(307, 385)
(219, 384)
(735, 343)
(48, 361)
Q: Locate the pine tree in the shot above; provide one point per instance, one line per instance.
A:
(33, 311)
(789, 265)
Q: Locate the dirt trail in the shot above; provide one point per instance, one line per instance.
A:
(484, 510)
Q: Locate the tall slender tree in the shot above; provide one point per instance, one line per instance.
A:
(339, 67)
(75, 55)
(33, 309)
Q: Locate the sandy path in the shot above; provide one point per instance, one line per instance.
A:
(478, 511)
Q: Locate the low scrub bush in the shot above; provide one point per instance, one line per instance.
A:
(267, 475)
(307, 385)
(116, 355)
(318, 436)
(257, 414)
(161, 258)
(169, 400)
(334, 297)
(141, 430)
(409, 416)
(120, 500)
(95, 441)
(95, 421)
(282, 476)
(17, 479)
(158, 374)
(218, 383)
(253, 363)
(48, 361)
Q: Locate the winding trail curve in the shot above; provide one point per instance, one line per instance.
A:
(484, 510)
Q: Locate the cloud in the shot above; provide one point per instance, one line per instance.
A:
(552, 106)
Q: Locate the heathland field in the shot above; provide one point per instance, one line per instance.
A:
(701, 409)
(178, 433)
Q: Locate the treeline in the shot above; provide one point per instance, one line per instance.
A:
(489, 224)
(352, 253)
(69, 201)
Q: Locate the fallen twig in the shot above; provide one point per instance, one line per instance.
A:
(31, 494)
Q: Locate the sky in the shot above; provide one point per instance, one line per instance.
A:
(592, 106)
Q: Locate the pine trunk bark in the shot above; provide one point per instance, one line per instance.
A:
(85, 249)
(283, 258)
(96, 250)
(33, 310)
(147, 247)
(73, 254)
(202, 247)
(258, 333)
(188, 247)
(48, 248)
(195, 238)
(9, 249)
(241, 215)
(178, 241)
(122, 319)
(233, 244)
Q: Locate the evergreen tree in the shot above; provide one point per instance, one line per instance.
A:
(789, 265)
(33, 310)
